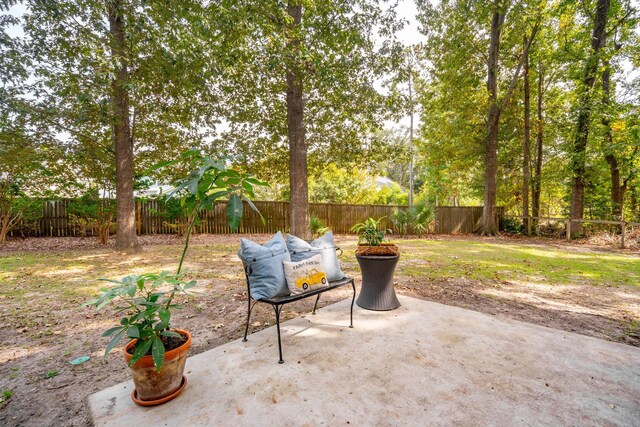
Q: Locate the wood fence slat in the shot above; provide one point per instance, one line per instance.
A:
(340, 218)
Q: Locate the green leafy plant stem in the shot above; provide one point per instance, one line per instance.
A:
(184, 254)
(186, 242)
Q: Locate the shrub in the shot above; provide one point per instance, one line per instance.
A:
(414, 220)
(512, 225)
(317, 227)
(174, 215)
(91, 215)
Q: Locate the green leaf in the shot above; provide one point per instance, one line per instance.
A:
(165, 315)
(131, 290)
(189, 285)
(248, 188)
(142, 347)
(255, 181)
(157, 351)
(111, 331)
(106, 301)
(163, 164)
(114, 341)
(192, 185)
(234, 211)
(252, 206)
(170, 334)
(133, 332)
(190, 153)
(208, 201)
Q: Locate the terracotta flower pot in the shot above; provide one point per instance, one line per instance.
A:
(153, 387)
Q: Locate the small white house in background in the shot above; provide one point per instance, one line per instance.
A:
(153, 190)
(383, 181)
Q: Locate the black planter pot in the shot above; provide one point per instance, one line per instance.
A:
(377, 292)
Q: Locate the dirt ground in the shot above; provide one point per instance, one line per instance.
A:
(47, 390)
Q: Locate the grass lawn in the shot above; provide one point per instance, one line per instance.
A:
(496, 263)
(43, 326)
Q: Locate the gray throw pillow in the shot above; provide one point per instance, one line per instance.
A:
(264, 266)
(324, 245)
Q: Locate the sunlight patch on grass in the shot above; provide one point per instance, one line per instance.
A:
(74, 274)
(498, 261)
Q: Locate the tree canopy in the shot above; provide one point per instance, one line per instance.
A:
(215, 76)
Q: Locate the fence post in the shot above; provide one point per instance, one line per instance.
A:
(623, 226)
(569, 230)
(529, 225)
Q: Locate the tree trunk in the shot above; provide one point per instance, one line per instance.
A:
(537, 178)
(578, 163)
(617, 190)
(299, 206)
(126, 238)
(489, 225)
(526, 158)
(4, 226)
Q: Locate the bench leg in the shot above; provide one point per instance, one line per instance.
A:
(246, 328)
(278, 309)
(353, 285)
(315, 305)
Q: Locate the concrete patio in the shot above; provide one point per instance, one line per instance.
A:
(422, 364)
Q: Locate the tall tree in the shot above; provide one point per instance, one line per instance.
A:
(29, 159)
(305, 93)
(126, 238)
(578, 163)
(526, 142)
(618, 156)
(299, 206)
(618, 188)
(536, 181)
(496, 108)
(125, 83)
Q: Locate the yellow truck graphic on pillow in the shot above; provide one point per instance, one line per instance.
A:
(315, 277)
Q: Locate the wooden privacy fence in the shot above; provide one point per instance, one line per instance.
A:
(152, 218)
(461, 219)
(339, 217)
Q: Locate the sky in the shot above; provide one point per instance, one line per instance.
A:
(409, 35)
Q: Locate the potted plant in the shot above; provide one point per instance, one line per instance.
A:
(371, 238)
(156, 352)
(377, 260)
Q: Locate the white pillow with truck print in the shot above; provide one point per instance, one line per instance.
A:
(306, 275)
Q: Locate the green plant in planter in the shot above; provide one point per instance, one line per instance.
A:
(370, 231)
(147, 300)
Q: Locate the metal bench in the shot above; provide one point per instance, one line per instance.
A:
(278, 302)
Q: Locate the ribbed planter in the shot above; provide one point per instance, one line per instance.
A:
(382, 249)
(377, 292)
(154, 387)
